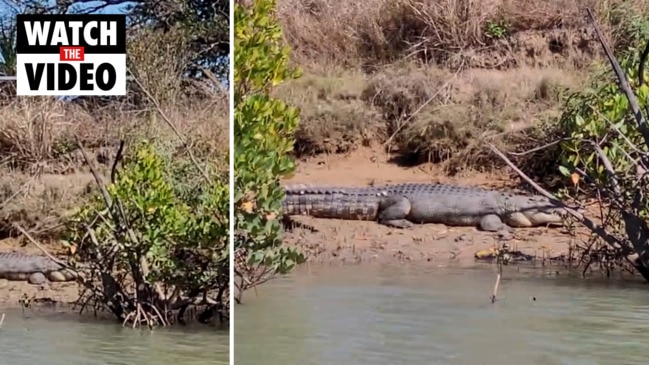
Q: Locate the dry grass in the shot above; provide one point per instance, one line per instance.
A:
(446, 32)
(479, 104)
(40, 203)
(430, 79)
(428, 113)
(38, 133)
(42, 172)
(334, 117)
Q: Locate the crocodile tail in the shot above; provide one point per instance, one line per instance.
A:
(335, 205)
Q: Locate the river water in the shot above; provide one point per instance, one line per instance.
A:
(49, 338)
(424, 315)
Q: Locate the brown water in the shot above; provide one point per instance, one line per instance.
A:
(57, 339)
(416, 315)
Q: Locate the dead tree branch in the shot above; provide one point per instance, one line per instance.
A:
(589, 223)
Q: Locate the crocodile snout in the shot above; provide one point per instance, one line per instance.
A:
(541, 210)
(537, 211)
(548, 214)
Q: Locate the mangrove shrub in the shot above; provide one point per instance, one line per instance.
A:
(263, 135)
(155, 240)
(607, 150)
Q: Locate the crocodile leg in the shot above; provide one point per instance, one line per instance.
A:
(394, 211)
(37, 278)
(493, 223)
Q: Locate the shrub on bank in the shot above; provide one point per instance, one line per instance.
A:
(263, 135)
(600, 113)
(152, 243)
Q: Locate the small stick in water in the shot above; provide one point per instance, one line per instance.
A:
(493, 297)
(2, 320)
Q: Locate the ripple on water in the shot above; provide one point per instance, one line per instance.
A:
(383, 315)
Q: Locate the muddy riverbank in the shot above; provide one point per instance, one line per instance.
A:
(359, 242)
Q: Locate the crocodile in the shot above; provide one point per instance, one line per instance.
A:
(402, 205)
(35, 269)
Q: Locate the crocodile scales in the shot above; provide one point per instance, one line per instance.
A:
(35, 269)
(403, 205)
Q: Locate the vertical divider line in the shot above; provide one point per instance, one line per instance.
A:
(231, 230)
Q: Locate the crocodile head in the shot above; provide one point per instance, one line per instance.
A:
(534, 211)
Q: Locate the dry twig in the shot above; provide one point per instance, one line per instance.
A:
(495, 292)
(173, 128)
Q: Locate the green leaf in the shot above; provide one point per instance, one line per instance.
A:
(564, 170)
(263, 130)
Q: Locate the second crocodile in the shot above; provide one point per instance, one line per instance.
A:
(402, 205)
(35, 269)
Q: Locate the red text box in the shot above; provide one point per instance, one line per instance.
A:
(71, 54)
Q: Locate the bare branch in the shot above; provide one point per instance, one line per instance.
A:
(173, 128)
(49, 255)
(643, 59)
(608, 166)
(622, 81)
(536, 149)
(590, 224)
